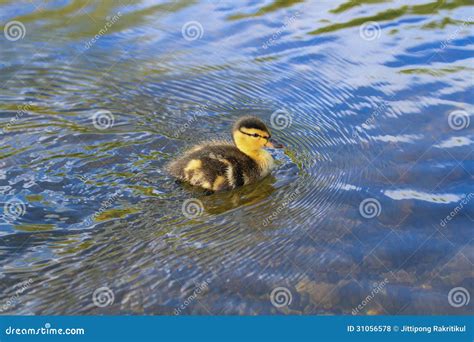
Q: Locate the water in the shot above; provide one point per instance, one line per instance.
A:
(374, 103)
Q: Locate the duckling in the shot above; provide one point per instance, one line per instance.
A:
(222, 165)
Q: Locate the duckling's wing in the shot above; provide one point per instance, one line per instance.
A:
(214, 167)
(199, 167)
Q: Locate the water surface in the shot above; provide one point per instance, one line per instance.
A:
(374, 102)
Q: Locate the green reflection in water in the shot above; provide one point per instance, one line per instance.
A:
(83, 18)
(392, 14)
(351, 4)
(274, 6)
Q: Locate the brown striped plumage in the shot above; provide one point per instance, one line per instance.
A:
(221, 165)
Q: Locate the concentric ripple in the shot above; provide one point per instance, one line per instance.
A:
(85, 133)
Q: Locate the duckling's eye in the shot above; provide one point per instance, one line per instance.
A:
(255, 135)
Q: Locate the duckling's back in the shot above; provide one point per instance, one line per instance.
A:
(215, 167)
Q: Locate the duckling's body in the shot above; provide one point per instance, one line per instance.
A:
(221, 165)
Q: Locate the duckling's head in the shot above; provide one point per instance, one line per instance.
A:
(251, 135)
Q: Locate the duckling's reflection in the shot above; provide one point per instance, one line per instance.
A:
(220, 202)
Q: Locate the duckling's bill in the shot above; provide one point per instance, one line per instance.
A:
(272, 143)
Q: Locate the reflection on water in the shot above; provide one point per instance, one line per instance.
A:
(373, 100)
